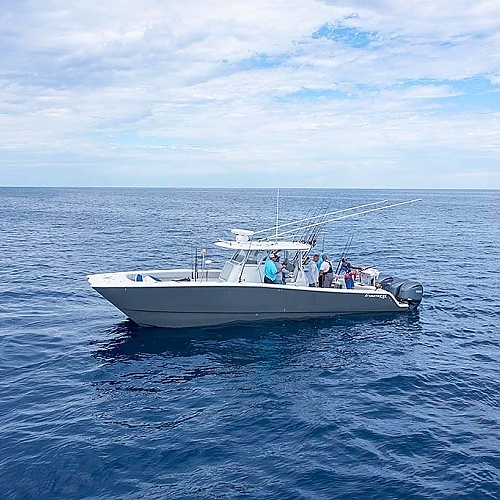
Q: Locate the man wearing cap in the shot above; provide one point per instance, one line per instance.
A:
(345, 266)
(271, 269)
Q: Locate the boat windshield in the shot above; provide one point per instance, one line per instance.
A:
(251, 257)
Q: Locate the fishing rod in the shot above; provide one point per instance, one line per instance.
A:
(273, 228)
(343, 255)
(348, 216)
(349, 246)
(240, 278)
(365, 268)
(314, 233)
(192, 263)
(195, 264)
(310, 236)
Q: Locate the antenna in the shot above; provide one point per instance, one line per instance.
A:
(277, 209)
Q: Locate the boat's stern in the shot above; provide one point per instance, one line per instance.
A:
(405, 290)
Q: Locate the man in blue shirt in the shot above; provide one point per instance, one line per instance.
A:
(345, 266)
(349, 273)
(271, 269)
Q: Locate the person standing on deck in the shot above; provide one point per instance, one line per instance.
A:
(349, 279)
(313, 275)
(279, 271)
(349, 273)
(325, 273)
(345, 266)
(271, 269)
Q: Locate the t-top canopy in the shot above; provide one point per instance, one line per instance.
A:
(243, 242)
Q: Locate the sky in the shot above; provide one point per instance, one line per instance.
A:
(212, 93)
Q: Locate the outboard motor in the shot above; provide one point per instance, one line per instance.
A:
(411, 292)
(384, 279)
(390, 284)
(408, 291)
(395, 286)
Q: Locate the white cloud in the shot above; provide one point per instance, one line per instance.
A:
(198, 92)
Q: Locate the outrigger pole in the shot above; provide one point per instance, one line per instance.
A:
(276, 227)
(347, 216)
(316, 224)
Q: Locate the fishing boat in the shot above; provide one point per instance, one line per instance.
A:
(201, 296)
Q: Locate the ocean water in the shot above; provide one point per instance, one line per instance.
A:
(391, 406)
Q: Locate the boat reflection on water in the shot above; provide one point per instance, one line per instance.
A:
(244, 344)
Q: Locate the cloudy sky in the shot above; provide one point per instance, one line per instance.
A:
(332, 93)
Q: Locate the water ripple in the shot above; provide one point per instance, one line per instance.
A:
(387, 406)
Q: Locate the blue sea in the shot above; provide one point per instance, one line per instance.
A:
(372, 406)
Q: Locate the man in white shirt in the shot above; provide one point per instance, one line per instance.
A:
(325, 273)
(313, 274)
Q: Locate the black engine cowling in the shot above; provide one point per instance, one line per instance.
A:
(411, 292)
(405, 290)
